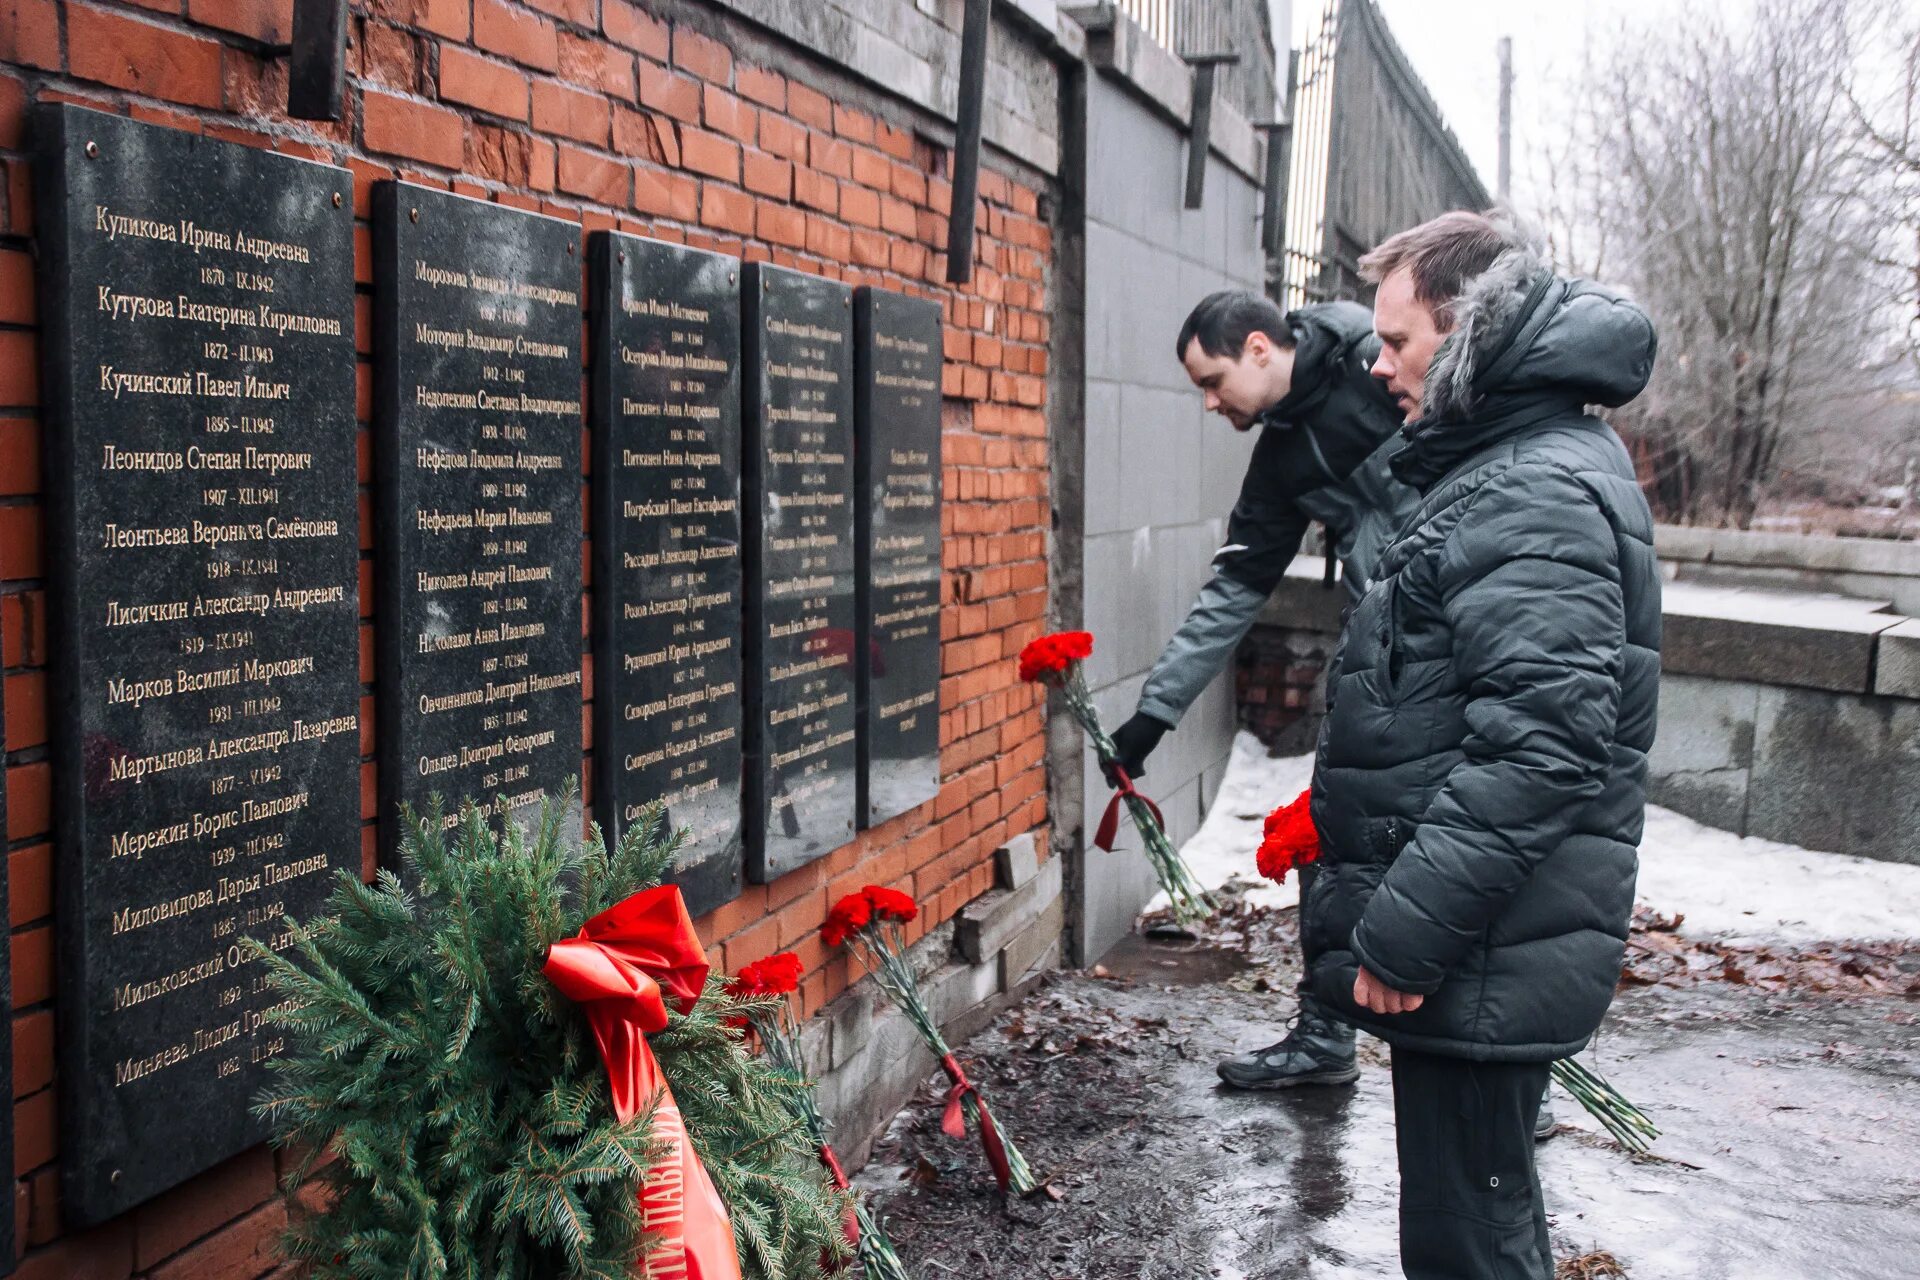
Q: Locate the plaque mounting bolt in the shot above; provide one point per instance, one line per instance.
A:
(623, 255)
(569, 249)
(93, 150)
(113, 1179)
(732, 276)
(413, 215)
(336, 199)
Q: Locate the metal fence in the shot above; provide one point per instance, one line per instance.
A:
(1371, 155)
(1218, 26)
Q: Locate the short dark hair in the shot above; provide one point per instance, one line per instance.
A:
(1224, 321)
(1442, 254)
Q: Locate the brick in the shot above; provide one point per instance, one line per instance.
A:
(103, 1253)
(249, 1246)
(165, 1225)
(780, 224)
(662, 90)
(854, 125)
(131, 54)
(764, 175)
(727, 114)
(593, 176)
(768, 88)
(704, 57)
(578, 12)
(633, 29)
(26, 723)
(809, 105)
(872, 169)
(828, 238)
(30, 34)
(633, 135)
(450, 18)
(860, 207)
(571, 113)
(709, 154)
(16, 293)
(782, 137)
(13, 100)
(897, 143)
(816, 190)
(22, 538)
(726, 210)
(830, 155)
(268, 21)
(593, 63)
(418, 130)
(666, 194)
(32, 1052)
(511, 32)
(479, 82)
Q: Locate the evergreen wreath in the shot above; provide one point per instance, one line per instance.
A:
(462, 1098)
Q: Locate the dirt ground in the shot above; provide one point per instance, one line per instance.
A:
(1787, 1083)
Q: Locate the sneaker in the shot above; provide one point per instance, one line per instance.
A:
(1544, 1126)
(1317, 1050)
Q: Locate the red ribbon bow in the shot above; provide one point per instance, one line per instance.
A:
(954, 1122)
(1110, 820)
(626, 965)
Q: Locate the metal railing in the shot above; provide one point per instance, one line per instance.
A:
(1217, 26)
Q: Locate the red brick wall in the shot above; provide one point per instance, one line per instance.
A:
(1279, 685)
(600, 112)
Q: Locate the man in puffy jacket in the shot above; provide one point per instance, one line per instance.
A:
(1480, 787)
(1327, 429)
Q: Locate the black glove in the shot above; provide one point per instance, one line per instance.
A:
(1135, 741)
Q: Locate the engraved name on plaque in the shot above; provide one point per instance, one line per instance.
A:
(897, 355)
(477, 333)
(798, 463)
(197, 298)
(667, 588)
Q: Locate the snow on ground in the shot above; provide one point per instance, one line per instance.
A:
(1739, 888)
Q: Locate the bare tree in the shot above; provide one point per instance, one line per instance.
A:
(1710, 166)
(1884, 98)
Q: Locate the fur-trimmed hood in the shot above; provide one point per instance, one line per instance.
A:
(1526, 344)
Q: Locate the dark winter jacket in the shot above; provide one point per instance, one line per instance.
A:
(1480, 788)
(1322, 454)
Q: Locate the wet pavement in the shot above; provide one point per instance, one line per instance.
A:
(1791, 1147)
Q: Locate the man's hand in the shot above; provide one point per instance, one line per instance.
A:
(1371, 993)
(1135, 741)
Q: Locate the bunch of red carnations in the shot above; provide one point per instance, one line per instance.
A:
(1289, 840)
(764, 986)
(1054, 659)
(869, 924)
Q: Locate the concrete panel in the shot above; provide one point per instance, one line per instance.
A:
(1159, 454)
(1897, 673)
(1702, 757)
(1812, 641)
(1837, 773)
(1135, 168)
(1106, 510)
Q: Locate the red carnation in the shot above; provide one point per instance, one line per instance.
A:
(848, 916)
(1291, 840)
(1050, 655)
(774, 976)
(890, 904)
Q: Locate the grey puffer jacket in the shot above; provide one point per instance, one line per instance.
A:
(1323, 454)
(1480, 788)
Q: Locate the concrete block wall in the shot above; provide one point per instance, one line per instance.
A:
(1792, 716)
(1159, 475)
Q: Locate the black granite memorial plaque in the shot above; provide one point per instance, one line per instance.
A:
(797, 460)
(666, 519)
(197, 298)
(897, 354)
(477, 333)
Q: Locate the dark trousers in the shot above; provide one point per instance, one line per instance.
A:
(1470, 1206)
